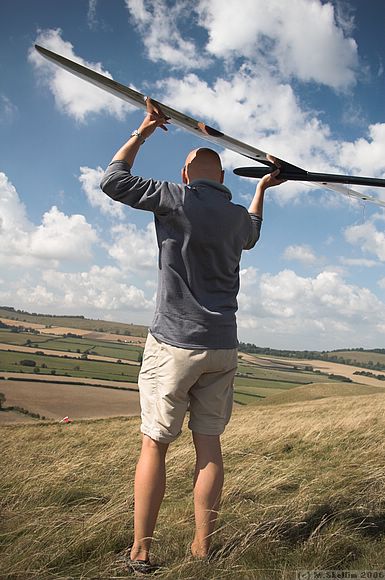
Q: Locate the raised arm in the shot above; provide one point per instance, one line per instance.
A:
(269, 180)
(129, 150)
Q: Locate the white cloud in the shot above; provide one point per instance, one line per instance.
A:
(103, 288)
(303, 41)
(239, 107)
(301, 253)
(365, 156)
(312, 312)
(29, 296)
(134, 249)
(58, 237)
(159, 24)
(100, 292)
(368, 238)
(91, 14)
(73, 96)
(15, 227)
(62, 237)
(8, 110)
(248, 276)
(360, 262)
(90, 180)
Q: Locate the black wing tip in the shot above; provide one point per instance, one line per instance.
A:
(43, 50)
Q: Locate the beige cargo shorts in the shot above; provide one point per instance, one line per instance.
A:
(174, 380)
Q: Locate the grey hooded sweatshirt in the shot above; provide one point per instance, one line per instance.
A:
(201, 235)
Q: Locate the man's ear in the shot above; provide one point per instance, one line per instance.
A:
(184, 175)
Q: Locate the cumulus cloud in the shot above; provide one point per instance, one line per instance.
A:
(248, 277)
(324, 307)
(58, 237)
(28, 296)
(62, 237)
(308, 42)
(159, 24)
(305, 41)
(365, 156)
(368, 238)
(300, 253)
(239, 107)
(133, 248)
(99, 291)
(72, 95)
(15, 227)
(102, 288)
(90, 180)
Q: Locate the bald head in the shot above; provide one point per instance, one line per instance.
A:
(203, 164)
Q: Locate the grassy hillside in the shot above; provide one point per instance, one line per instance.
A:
(305, 489)
(362, 357)
(320, 391)
(76, 322)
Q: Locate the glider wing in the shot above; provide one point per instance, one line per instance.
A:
(200, 129)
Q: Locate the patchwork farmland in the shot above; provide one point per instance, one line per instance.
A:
(49, 371)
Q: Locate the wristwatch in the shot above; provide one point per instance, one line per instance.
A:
(139, 135)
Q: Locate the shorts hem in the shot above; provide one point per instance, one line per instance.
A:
(203, 431)
(158, 437)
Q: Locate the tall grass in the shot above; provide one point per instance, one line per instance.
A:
(304, 489)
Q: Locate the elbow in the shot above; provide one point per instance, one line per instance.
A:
(251, 243)
(107, 186)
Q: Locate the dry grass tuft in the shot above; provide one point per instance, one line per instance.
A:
(305, 489)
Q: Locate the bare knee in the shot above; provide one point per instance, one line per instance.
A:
(208, 447)
(149, 444)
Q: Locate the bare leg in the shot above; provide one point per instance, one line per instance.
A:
(208, 483)
(150, 484)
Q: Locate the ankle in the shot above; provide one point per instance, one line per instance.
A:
(139, 552)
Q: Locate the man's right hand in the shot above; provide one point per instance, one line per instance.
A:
(155, 118)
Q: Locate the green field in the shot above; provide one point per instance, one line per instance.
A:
(10, 362)
(80, 345)
(254, 380)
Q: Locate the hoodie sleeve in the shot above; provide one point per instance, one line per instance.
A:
(160, 197)
(255, 230)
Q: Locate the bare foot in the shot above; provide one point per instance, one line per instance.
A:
(199, 551)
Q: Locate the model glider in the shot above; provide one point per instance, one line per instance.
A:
(339, 183)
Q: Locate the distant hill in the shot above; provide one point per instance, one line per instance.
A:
(368, 358)
(321, 391)
(74, 322)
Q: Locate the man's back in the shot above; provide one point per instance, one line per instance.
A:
(200, 248)
(201, 235)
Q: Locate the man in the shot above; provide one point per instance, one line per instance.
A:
(190, 357)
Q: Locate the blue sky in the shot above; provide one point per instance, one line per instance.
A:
(302, 79)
